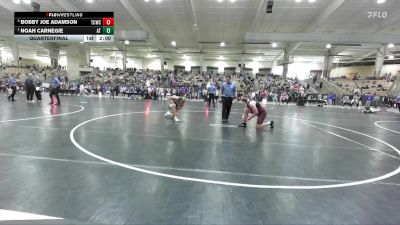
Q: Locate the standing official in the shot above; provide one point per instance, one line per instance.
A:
(55, 87)
(38, 88)
(13, 85)
(228, 93)
(29, 88)
(211, 94)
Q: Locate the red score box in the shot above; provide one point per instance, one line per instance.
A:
(108, 22)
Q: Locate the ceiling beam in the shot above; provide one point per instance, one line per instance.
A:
(278, 56)
(338, 49)
(365, 55)
(290, 48)
(120, 46)
(67, 5)
(10, 6)
(195, 21)
(332, 38)
(7, 21)
(260, 12)
(317, 21)
(136, 16)
(329, 10)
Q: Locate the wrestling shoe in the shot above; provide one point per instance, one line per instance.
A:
(242, 125)
(176, 119)
(168, 114)
(271, 124)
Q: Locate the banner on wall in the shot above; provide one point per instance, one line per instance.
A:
(212, 69)
(248, 70)
(195, 69)
(264, 71)
(179, 69)
(229, 70)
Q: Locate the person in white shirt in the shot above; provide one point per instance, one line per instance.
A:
(81, 90)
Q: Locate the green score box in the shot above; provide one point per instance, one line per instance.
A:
(108, 30)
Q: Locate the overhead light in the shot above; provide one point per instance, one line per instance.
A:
(220, 1)
(158, 1)
(232, 1)
(17, 1)
(328, 46)
(27, 1)
(222, 44)
(274, 44)
(391, 56)
(90, 1)
(146, 0)
(390, 45)
(380, 1)
(298, 1)
(221, 58)
(185, 57)
(311, 1)
(126, 42)
(173, 43)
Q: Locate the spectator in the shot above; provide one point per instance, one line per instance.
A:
(211, 94)
(38, 88)
(13, 85)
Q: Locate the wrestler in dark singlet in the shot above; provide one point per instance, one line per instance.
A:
(256, 110)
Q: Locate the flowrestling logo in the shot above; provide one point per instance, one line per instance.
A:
(377, 15)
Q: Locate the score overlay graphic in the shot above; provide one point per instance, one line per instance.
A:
(64, 26)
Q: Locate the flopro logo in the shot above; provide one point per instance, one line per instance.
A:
(377, 15)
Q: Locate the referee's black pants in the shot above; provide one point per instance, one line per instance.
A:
(226, 107)
(54, 92)
(211, 97)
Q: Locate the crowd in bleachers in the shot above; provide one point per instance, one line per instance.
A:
(21, 73)
(138, 84)
(378, 87)
(154, 84)
(362, 89)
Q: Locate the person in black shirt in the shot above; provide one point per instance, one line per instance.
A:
(29, 88)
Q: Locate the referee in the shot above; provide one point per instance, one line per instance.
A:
(228, 93)
(55, 88)
(211, 94)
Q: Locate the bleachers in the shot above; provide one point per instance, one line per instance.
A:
(327, 87)
(395, 90)
(379, 87)
(17, 71)
(346, 84)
